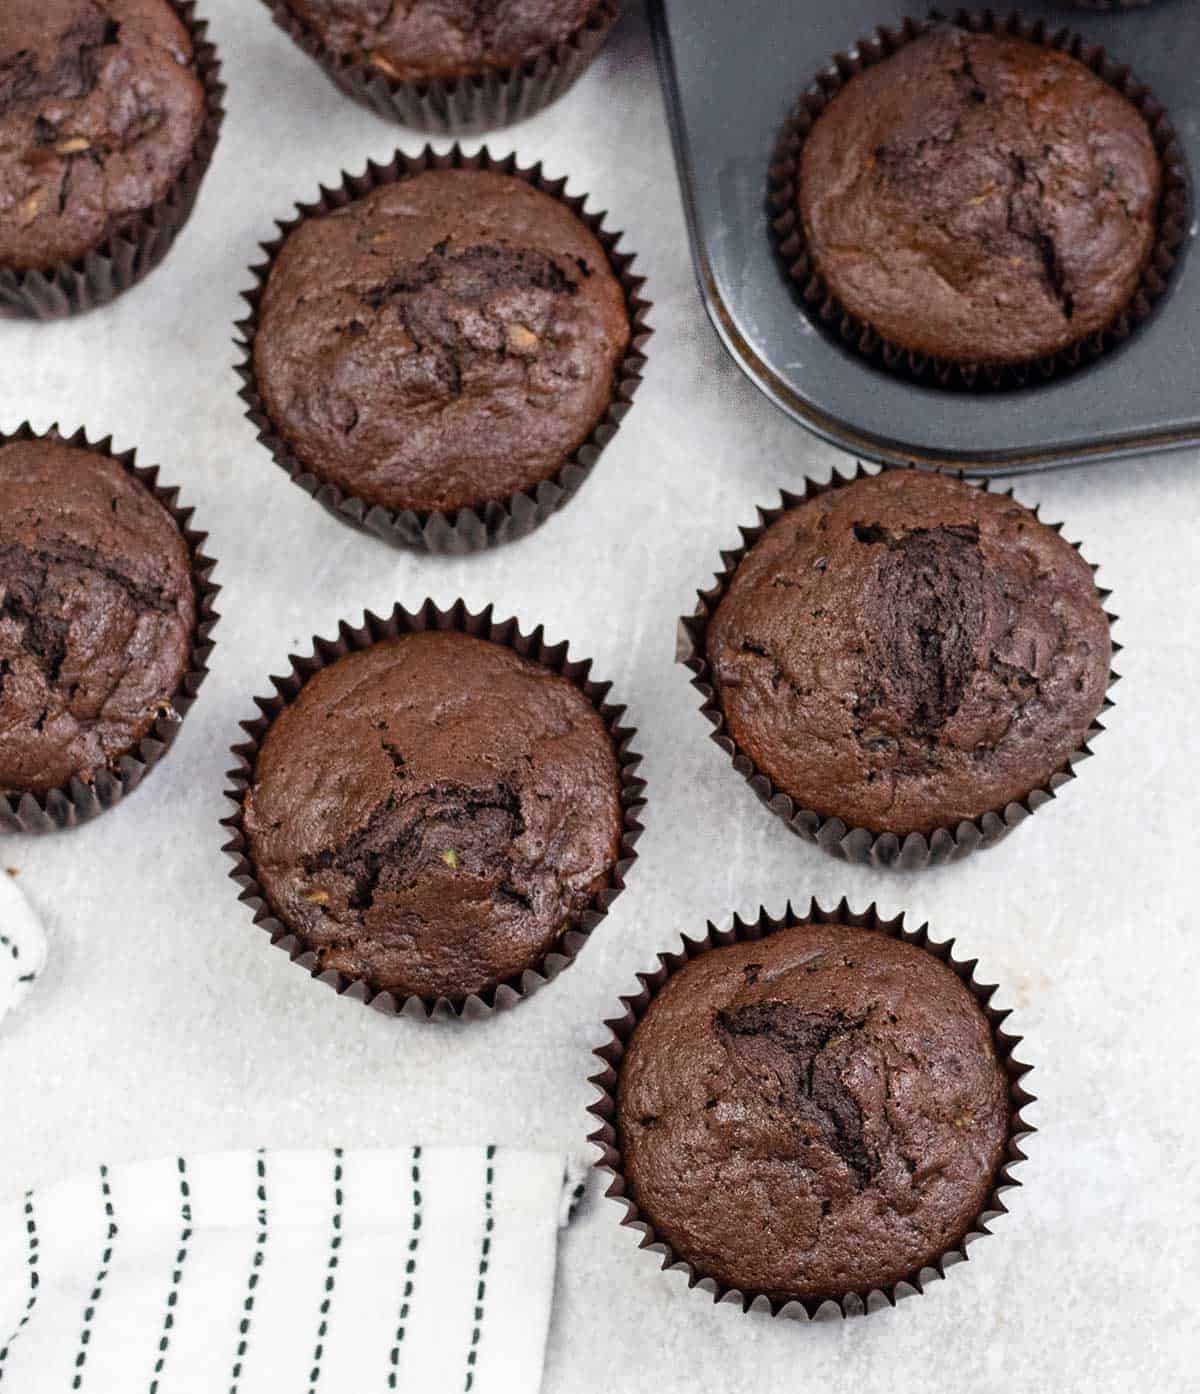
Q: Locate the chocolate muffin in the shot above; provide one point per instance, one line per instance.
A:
(97, 614)
(442, 39)
(980, 198)
(441, 342)
(432, 813)
(100, 112)
(818, 1113)
(907, 651)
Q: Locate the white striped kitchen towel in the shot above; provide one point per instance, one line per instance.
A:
(287, 1272)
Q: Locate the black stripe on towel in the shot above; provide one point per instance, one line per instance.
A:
(335, 1243)
(485, 1250)
(410, 1266)
(89, 1312)
(185, 1234)
(260, 1247)
(31, 1235)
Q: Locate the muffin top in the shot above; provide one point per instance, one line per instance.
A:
(907, 651)
(442, 38)
(817, 1113)
(97, 612)
(430, 813)
(980, 198)
(443, 341)
(100, 109)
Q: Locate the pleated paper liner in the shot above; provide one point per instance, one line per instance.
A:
(532, 646)
(500, 520)
(909, 851)
(69, 288)
(607, 1136)
(822, 306)
(79, 801)
(463, 104)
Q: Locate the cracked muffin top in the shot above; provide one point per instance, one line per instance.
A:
(907, 651)
(97, 613)
(441, 342)
(100, 109)
(413, 39)
(980, 199)
(817, 1113)
(432, 812)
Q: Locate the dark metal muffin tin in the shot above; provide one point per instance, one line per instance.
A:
(730, 75)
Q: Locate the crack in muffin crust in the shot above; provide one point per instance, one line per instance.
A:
(808, 1054)
(930, 587)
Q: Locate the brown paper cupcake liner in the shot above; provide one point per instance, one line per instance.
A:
(608, 1140)
(532, 646)
(500, 520)
(69, 288)
(860, 846)
(462, 104)
(79, 801)
(822, 306)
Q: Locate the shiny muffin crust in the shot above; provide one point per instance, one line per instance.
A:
(980, 198)
(100, 110)
(816, 1113)
(97, 612)
(443, 39)
(908, 651)
(430, 813)
(444, 341)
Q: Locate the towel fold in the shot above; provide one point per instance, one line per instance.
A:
(22, 945)
(287, 1272)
